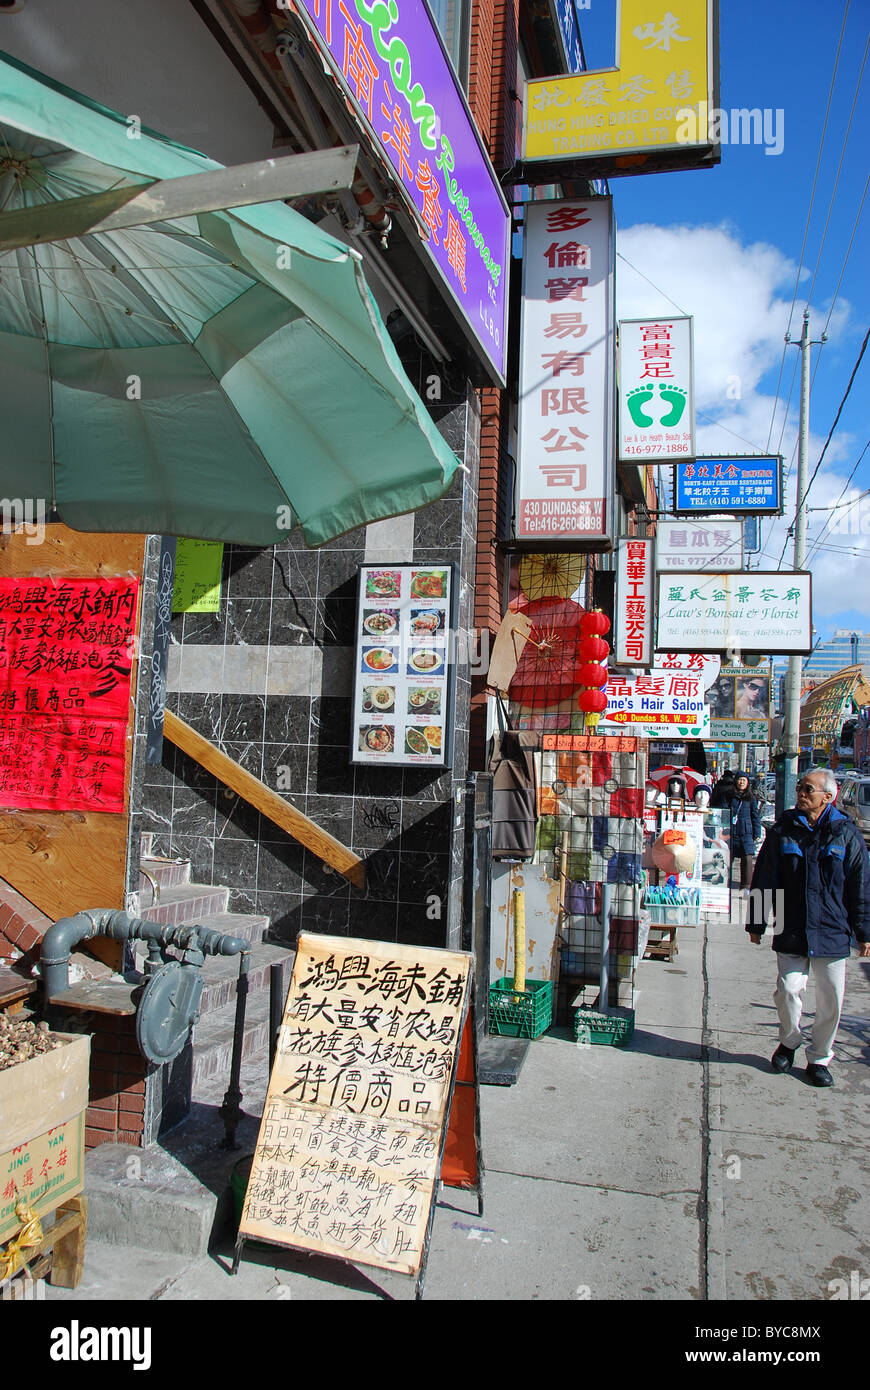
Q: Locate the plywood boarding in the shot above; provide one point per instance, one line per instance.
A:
(348, 1154)
(65, 861)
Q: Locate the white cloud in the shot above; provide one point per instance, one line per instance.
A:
(740, 298)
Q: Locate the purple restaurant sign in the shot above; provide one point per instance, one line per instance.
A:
(396, 72)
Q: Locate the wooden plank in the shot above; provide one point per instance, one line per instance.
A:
(269, 803)
(98, 997)
(14, 988)
(64, 862)
(68, 1243)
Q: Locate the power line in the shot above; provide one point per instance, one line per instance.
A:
(817, 543)
(803, 498)
(809, 215)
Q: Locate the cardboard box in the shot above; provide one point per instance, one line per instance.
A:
(42, 1129)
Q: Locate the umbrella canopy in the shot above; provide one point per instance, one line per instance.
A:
(222, 376)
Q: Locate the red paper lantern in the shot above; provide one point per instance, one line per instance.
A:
(594, 623)
(592, 649)
(592, 701)
(592, 674)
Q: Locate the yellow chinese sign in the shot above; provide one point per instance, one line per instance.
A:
(656, 99)
(198, 567)
(350, 1144)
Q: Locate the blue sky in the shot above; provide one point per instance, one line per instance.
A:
(724, 244)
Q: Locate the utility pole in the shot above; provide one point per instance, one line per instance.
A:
(786, 782)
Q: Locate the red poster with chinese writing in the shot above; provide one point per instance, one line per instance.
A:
(65, 666)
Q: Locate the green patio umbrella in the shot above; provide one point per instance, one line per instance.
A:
(222, 375)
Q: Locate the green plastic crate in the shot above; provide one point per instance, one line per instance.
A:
(524, 1014)
(603, 1030)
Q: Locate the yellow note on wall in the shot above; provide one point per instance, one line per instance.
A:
(198, 567)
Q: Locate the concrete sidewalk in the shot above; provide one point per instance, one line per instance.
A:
(679, 1168)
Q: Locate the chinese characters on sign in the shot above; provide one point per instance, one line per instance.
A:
(634, 610)
(753, 611)
(656, 396)
(44, 1172)
(403, 89)
(65, 664)
(739, 701)
(729, 485)
(348, 1153)
(659, 705)
(655, 102)
(565, 471)
(699, 545)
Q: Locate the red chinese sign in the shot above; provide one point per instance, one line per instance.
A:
(65, 666)
(634, 612)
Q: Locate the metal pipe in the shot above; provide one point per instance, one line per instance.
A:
(276, 1007)
(604, 979)
(68, 932)
(231, 1109)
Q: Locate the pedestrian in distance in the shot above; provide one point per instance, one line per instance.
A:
(745, 826)
(815, 865)
(723, 790)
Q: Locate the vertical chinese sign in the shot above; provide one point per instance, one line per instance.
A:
(66, 651)
(350, 1144)
(565, 479)
(403, 91)
(656, 390)
(634, 602)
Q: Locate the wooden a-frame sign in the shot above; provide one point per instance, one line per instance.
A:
(355, 1123)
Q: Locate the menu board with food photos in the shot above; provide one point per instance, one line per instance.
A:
(405, 670)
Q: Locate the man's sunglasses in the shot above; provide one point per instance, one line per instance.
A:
(809, 787)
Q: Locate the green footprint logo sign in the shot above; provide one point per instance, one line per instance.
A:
(639, 399)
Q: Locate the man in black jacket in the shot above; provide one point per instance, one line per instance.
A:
(813, 874)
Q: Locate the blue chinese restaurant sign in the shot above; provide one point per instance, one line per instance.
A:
(393, 69)
(729, 484)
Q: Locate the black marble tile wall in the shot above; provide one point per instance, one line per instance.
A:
(404, 823)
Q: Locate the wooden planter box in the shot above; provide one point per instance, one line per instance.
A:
(42, 1129)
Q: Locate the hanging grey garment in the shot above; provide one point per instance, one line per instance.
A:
(514, 799)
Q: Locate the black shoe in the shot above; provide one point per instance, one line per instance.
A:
(819, 1075)
(782, 1058)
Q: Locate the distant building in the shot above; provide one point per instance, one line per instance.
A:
(845, 648)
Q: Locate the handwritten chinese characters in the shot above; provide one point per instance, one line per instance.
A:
(349, 1146)
(565, 371)
(65, 667)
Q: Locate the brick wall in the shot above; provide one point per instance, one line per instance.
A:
(116, 1103)
(22, 926)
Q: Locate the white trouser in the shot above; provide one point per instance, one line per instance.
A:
(791, 984)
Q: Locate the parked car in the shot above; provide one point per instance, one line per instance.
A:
(854, 802)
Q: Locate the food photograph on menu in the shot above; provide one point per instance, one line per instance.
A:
(403, 698)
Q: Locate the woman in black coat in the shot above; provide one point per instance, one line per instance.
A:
(745, 827)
